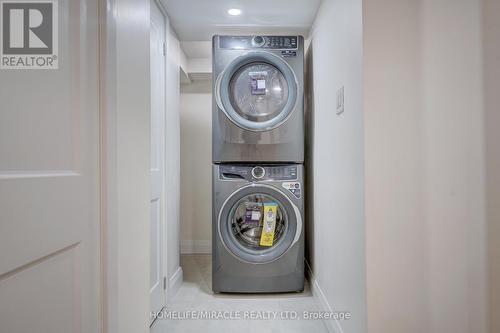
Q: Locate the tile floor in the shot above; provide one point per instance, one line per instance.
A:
(195, 294)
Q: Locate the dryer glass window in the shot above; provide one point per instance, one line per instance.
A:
(258, 222)
(258, 91)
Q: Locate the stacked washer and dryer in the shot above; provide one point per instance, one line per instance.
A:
(258, 156)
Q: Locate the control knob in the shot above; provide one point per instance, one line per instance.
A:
(258, 41)
(258, 172)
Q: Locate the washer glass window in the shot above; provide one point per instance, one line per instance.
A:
(258, 91)
(247, 222)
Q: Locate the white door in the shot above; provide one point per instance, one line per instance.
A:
(49, 184)
(157, 63)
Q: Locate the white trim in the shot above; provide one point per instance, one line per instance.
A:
(333, 326)
(196, 246)
(124, 242)
(163, 196)
(174, 283)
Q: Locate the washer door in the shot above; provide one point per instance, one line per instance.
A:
(257, 91)
(243, 219)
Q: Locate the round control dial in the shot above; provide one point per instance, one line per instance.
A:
(258, 41)
(258, 172)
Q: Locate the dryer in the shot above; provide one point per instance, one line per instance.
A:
(258, 99)
(257, 229)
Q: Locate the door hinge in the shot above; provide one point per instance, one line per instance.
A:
(164, 50)
(164, 283)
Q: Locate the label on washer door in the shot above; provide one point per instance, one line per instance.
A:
(267, 236)
(293, 187)
(253, 213)
(258, 83)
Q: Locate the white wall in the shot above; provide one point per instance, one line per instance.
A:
(395, 228)
(454, 164)
(196, 168)
(425, 201)
(335, 176)
(200, 65)
(491, 70)
(173, 161)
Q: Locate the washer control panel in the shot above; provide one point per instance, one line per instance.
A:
(259, 42)
(258, 172)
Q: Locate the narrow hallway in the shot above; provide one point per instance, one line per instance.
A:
(195, 298)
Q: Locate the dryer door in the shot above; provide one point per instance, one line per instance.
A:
(258, 224)
(257, 91)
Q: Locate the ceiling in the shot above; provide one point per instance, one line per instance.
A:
(199, 20)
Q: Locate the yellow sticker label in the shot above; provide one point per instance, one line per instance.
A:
(267, 236)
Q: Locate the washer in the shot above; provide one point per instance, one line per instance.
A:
(258, 99)
(246, 198)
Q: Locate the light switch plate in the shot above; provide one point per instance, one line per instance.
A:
(340, 101)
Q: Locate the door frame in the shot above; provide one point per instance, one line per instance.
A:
(164, 272)
(165, 192)
(125, 164)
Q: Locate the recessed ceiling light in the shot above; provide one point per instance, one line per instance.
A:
(234, 11)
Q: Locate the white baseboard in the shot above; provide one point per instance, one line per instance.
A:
(174, 283)
(333, 326)
(196, 246)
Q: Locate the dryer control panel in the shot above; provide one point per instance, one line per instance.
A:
(258, 172)
(259, 42)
